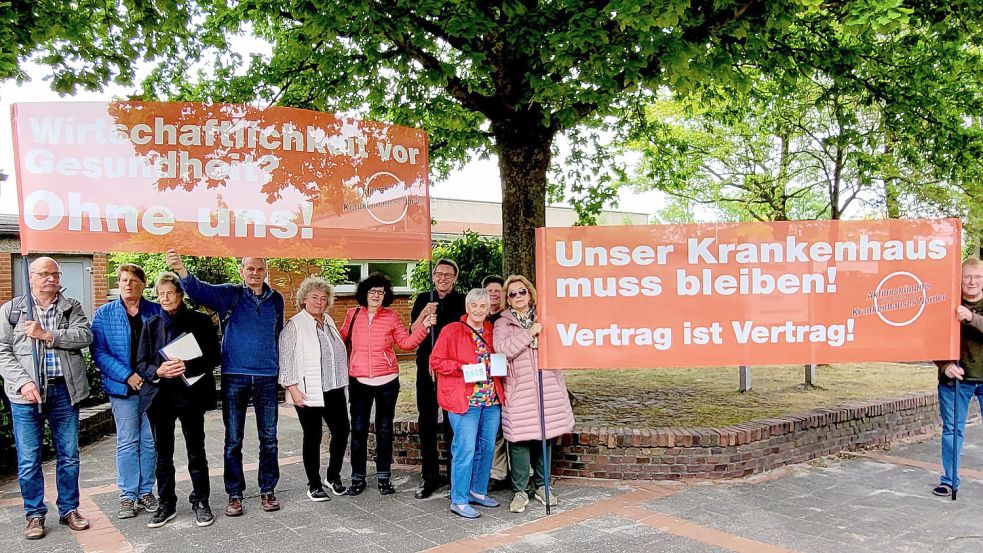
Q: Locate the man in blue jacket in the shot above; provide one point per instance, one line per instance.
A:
(252, 318)
(116, 329)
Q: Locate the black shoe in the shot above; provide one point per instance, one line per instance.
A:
(426, 489)
(357, 487)
(336, 486)
(317, 495)
(162, 515)
(203, 514)
(496, 485)
(386, 487)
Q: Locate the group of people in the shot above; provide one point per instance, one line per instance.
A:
(157, 360)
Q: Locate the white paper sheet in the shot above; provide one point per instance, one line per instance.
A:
(184, 347)
(474, 372)
(499, 367)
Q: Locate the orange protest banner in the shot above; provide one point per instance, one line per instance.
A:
(218, 180)
(748, 294)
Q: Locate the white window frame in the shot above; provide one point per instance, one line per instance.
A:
(349, 289)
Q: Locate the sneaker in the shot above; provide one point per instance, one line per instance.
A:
(161, 517)
(269, 502)
(486, 501)
(148, 502)
(75, 521)
(203, 514)
(541, 496)
(386, 487)
(943, 490)
(234, 508)
(336, 486)
(317, 495)
(357, 487)
(465, 511)
(35, 529)
(127, 508)
(519, 502)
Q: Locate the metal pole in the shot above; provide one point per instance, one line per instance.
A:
(547, 469)
(38, 375)
(955, 431)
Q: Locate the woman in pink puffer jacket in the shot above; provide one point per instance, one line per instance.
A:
(516, 334)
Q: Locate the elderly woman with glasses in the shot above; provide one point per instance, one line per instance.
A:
(178, 389)
(370, 330)
(516, 335)
(473, 404)
(314, 371)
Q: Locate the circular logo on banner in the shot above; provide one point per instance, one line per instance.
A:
(899, 301)
(386, 197)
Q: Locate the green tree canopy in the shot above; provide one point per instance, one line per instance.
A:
(510, 77)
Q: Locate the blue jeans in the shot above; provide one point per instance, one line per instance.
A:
(237, 390)
(63, 418)
(135, 453)
(473, 451)
(952, 429)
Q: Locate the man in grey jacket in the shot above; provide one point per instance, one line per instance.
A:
(52, 392)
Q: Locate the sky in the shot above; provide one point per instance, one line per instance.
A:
(478, 180)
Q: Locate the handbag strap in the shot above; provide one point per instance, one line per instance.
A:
(348, 335)
(480, 337)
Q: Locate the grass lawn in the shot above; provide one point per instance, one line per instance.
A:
(709, 397)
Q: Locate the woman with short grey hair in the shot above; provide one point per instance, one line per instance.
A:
(314, 371)
(473, 401)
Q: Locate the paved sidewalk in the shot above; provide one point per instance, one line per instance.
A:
(878, 501)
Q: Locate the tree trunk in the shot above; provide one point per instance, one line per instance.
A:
(524, 154)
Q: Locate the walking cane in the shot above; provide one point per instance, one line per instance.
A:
(955, 428)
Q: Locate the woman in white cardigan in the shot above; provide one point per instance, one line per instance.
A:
(314, 371)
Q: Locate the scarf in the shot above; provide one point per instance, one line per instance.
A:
(526, 321)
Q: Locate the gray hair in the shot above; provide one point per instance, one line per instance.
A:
(168, 277)
(311, 284)
(477, 294)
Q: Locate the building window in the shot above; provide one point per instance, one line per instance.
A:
(398, 272)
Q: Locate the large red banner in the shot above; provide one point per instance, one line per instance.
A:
(218, 180)
(748, 294)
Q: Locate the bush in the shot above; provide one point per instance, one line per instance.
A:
(477, 258)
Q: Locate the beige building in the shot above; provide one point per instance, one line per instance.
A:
(453, 217)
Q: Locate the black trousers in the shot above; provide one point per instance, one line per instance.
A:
(427, 407)
(163, 414)
(362, 398)
(335, 414)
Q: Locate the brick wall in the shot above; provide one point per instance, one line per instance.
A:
(100, 280)
(729, 452)
(6, 277)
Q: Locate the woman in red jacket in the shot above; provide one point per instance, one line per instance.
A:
(474, 408)
(370, 331)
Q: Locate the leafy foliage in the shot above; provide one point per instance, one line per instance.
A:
(511, 77)
(476, 257)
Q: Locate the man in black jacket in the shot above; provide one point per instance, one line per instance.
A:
(448, 304)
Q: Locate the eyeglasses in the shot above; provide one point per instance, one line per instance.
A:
(518, 293)
(971, 278)
(46, 274)
(376, 292)
(443, 276)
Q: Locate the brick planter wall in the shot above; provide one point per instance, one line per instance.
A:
(714, 453)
